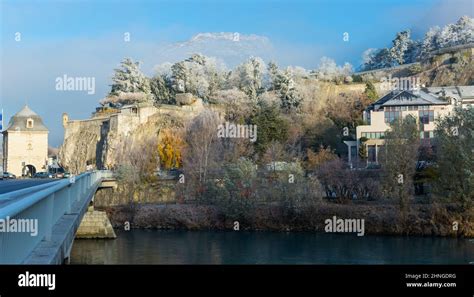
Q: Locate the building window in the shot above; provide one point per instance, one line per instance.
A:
(390, 116)
(426, 134)
(426, 116)
(373, 135)
(29, 123)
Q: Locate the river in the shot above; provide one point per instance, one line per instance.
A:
(219, 247)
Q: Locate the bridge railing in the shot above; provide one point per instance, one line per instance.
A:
(29, 214)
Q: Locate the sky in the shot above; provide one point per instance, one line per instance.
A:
(43, 40)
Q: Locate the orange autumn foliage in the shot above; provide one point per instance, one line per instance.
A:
(170, 148)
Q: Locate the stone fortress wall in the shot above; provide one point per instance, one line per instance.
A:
(86, 141)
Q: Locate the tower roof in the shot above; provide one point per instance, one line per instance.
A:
(18, 122)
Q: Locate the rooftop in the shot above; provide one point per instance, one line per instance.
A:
(19, 120)
(424, 96)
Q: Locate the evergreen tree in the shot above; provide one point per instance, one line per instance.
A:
(129, 79)
(430, 41)
(162, 90)
(270, 127)
(455, 157)
(370, 91)
(274, 74)
(248, 77)
(290, 99)
(362, 148)
(400, 45)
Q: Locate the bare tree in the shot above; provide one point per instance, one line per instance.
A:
(138, 159)
(204, 148)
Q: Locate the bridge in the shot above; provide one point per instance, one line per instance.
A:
(38, 224)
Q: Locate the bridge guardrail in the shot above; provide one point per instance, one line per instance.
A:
(45, 206)
(17, 193)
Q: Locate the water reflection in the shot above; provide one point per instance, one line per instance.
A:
(211, 247)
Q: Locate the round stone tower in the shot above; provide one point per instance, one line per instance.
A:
(65, 119)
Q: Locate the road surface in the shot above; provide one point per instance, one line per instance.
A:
(9, 185)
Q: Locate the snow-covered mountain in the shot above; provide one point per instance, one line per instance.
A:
(231, 48)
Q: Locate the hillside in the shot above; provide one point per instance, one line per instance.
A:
(449, 67)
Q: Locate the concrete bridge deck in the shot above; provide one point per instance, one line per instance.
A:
(57, 207)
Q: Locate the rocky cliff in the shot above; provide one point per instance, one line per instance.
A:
(100, 141)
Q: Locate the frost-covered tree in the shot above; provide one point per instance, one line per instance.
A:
(284, 85)
(400, 45)
(383, 59)
(430, 42)
(465, 29)
(413, 51)
(198, 75)
(299, 72)
(346, 69)
(404, 50)
(236, 103)
(289, 96)
(329, 71)
(129, 85)
(379, 59)
(129, 79)
(273, 73)
(450, 35)
(248, 77)
(161, 89)
(368, 55)
(459, 33)
(164, 70)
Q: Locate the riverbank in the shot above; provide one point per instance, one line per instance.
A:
(380, 219)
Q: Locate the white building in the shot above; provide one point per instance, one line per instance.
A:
(426, 105)
(25, 144)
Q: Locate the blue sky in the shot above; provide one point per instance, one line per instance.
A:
(85, 38)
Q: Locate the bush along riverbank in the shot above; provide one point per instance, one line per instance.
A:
(381, 219)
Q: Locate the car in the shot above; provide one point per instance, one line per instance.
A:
(43, 175)
(8, 175)
(59, 175)
(66, 175)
